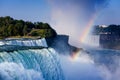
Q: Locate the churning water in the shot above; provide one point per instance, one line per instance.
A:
(47, 64)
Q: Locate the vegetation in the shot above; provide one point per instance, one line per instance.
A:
(10, 27)
(111, 29)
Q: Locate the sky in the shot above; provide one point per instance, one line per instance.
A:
(65, 16)
(37, 10)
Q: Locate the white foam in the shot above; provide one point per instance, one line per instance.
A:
(30, 42)
(13, 71)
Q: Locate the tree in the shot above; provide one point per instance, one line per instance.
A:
(12, 27)
(25, 30)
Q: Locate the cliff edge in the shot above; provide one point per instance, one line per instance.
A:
(61, 44)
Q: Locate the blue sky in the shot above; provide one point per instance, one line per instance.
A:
(110, 15)
(37, 10)
(41, 10)
(63, 14)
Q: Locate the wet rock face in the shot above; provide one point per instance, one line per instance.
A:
(110, 41)
(60, 44)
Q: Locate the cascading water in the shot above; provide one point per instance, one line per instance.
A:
(13, 71)
(93, 40)
(30, 64)
(25, 42)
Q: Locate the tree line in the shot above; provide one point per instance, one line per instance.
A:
(111, 29)
(11, 27)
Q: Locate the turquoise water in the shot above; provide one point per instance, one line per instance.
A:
(33, 61)
(31, 64)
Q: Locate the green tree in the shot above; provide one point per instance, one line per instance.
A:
(12, 27)
(25, 30)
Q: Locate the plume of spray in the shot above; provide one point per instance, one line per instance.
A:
(72, 17)
(108, 62)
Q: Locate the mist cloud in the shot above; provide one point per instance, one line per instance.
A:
(71, 16)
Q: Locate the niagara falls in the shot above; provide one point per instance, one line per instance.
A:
(59, 40)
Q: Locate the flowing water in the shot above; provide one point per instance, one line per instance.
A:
(29, 64)
(46, 64)
(36, 64)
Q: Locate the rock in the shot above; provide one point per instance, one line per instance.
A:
(61, 45)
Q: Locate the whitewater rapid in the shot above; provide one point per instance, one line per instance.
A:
(24, 42)
(14, 71)
(32, 64)
(28, 59)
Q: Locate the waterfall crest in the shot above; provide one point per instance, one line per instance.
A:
(25, 42)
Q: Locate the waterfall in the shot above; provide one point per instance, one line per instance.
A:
(31, 64)
(13, 71)
(93, 40)
(25, 42)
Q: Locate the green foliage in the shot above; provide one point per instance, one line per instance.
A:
(10, 27)
(42, 32)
